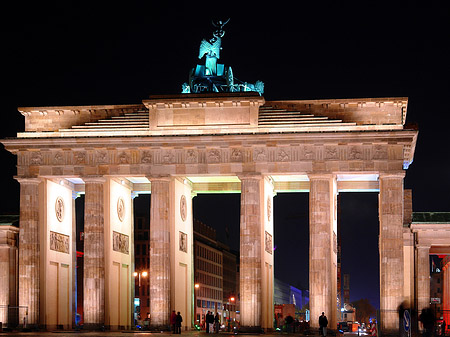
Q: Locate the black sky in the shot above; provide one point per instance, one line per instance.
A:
(82, 53)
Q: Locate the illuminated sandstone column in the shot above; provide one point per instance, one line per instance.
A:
(423, 277)
(446, 290)
(74, 258)
(323, 248)
(8, 269)
(250, 252)
(391, 249)
(94, 253)
(159, 277)
(29, 251)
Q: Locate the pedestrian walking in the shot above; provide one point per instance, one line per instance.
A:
(216, 322)
(373, 329)
(178, 321)
(427, 319)
(173, 320)
(323, 323)
(211, 322)
(207, 321)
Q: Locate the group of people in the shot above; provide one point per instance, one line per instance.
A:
(175, 321)
(212, 323)
(428, 322)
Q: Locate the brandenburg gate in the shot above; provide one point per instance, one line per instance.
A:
(175, 147)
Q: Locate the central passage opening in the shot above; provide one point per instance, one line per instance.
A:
(358, 232)
(216, 258)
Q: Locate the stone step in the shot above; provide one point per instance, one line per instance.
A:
(121, 129)
(270, 115)
(321, 122)
(99, 126)
(130, 116)
(264, 125)
(114, 122)
(291, 118)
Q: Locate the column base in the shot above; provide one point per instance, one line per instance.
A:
(94, 327)
(250, 329)
(159, 328)
(390, 333)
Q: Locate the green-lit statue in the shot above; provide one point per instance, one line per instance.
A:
(213, 76)
(211, 48)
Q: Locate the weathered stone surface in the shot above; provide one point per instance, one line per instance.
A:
(8, 269)
(322, 256)
(159, 277)
(94, 253)
(423, 277)
(29, 250)
(250, 251)
(391, 249)
(191, 136)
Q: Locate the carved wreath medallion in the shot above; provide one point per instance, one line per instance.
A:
(120, 208)
(183, 208)
(59, 209)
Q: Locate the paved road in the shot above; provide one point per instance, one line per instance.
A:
(129, 333)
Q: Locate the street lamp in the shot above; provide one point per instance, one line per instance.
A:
(138, 276)
(196, 287)
(144, 274)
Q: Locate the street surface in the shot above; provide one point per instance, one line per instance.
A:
(146, 333)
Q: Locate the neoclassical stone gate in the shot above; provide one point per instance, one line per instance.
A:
(175, 147)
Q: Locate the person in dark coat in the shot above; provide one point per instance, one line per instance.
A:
(178, 319)
(427, 319)
(216, 323)
(207, 321)
(323, 323)
(173, 320)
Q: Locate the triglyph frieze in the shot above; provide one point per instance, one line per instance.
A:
(236, 155)
(191, 156)
(101, 157)
(214, 156)
(146, 157)
(124, 158)
(58, 158)
(142, 161)
(79, 157)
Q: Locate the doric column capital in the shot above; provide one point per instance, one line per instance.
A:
(28, 180)
(250, 176)
(423, 246)
(94, 179)
(321, 176)
(392, 175)
(159, 177)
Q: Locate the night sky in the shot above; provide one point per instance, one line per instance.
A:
(82, 53)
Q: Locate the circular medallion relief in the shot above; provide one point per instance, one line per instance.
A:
(269, 208)
(183, 208)
(59, 209)
(121, 208)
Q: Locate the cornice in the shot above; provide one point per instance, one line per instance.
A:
(404, 136)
